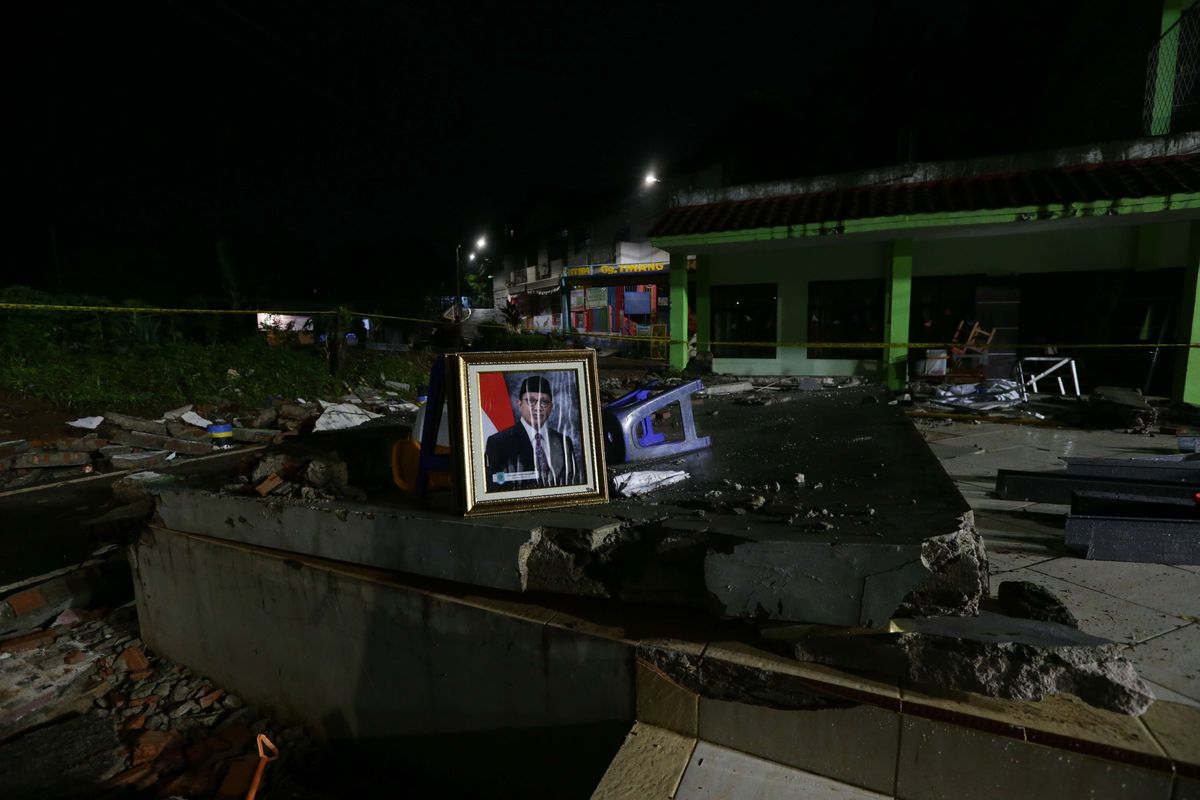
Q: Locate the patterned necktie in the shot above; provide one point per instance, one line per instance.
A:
(539, 456)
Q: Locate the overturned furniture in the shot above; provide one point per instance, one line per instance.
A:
(629, 424)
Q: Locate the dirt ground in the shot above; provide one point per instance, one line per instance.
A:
(31, 419)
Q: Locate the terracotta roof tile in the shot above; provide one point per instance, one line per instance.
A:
(1086, 183)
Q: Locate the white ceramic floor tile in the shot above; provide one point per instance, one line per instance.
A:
(1169, 695)
(1171, 660)
(1098, 614)
(1164, 588)
(1001, 561)
(982, 499)
(720, 773)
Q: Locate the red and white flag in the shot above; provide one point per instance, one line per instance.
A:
(495, 403)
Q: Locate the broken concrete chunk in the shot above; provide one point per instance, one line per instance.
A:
(136, 423)
(272, 462)
(38, 460)
(254, 435)
(149, 441)
(83, 444)
(266, 418)
(299, 412)
(176, 413)
(181, 430)
(139, 460)
(1029, 601)
(189, 447)
(994, 655)
(327, 473)
(13, 447)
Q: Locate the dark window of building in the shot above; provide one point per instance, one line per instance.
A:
(744, 313)
(845, 312)
(556, 250)
(531, 255)
(583, 239)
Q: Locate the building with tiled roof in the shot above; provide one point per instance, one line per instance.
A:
(874, 273)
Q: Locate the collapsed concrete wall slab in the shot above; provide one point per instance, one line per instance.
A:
(871, 526)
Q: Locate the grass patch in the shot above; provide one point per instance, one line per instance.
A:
(151, 378)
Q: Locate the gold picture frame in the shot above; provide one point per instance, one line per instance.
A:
(526, 430)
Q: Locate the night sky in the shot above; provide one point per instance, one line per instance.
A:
(340, 148)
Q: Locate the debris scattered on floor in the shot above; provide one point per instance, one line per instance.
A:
(1117, 407)
(993, 655)
(989, 395)
(643, 481)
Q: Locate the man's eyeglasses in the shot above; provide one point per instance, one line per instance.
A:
(541, 403)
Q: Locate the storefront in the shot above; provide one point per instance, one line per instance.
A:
(619, 300)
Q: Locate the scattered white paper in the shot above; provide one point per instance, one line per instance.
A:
(172, 456)
(342, 415)
(90, 423)
(192, 418)
(633, 483)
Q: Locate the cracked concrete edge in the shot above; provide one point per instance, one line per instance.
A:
(958, 574)
(545, 566)
(730, 681)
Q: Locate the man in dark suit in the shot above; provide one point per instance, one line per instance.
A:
(530, 454)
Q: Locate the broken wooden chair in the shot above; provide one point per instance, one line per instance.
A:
(969, 359)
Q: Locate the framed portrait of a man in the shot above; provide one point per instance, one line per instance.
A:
(527, 430)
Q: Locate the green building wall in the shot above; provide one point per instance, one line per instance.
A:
(793, 264)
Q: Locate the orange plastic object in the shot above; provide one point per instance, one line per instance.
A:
(405, 454)
(263, 760)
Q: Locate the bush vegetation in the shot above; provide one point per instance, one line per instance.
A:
(147, 363)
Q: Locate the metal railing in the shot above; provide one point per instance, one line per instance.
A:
(1172, 99)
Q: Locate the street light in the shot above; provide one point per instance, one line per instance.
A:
(479, 245)
(651, 178)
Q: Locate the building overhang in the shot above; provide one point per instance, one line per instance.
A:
(1014, 219)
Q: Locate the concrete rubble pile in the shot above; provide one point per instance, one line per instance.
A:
(990, 654)
(85, 710)
(116, 441)
(290, 475)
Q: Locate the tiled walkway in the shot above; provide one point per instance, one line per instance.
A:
(1151, 609)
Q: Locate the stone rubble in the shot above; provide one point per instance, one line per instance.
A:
(119, 441)
(85, 706)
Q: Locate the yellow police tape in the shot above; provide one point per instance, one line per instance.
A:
(148, 310)
(660, 340)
